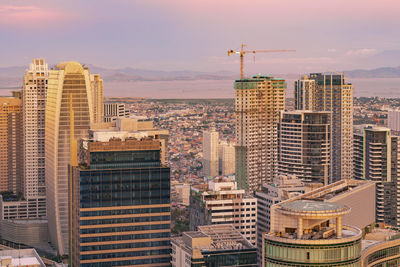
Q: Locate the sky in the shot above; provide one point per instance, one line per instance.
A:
(328, 35)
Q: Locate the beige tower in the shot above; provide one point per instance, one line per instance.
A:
(329, 92)
(67, 81)
(34, 106)
(210, 153)
(10, 111)
(258, 101)
(97, 94)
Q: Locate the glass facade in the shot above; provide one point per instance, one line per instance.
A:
(290, 254)
(382, 254)
(122, 210)
(245, 257)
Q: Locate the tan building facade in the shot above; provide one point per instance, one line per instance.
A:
(10, 144)
(258, 101)
(34, 106)
(210, 153)
(69, 90)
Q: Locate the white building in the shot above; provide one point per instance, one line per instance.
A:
(223, 203)
(394, 119)
(226, 155)
(112, 111)
(210, 153)
(34, 92)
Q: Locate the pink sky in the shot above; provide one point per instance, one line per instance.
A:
(195, 35)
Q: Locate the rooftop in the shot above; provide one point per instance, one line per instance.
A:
(312, 206)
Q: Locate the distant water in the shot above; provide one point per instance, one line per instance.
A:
(368, 87)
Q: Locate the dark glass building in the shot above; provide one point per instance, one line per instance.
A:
(120, 205)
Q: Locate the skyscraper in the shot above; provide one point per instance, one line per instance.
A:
(10, 144)
(34, 106)
(304, 145)
(377, 158)
(210, 153)
(68, 84)
(258, 101)
(97, 94)
(120, 204)
(330, 92)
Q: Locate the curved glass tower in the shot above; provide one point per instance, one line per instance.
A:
(69, 81)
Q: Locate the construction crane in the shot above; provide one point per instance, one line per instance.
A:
(242, 52)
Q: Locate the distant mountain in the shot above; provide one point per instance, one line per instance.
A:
(12, 76)
(387, 72)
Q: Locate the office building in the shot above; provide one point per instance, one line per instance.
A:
(34, 92)
(377, 158)
(10, 144)
(120, 204)
(330, 92)
(311, 233)
(112, 111)
(69, 95)
(226, 155)
(97, 93)
(258, 101)
(394, 120)
(222, 203)
(304, 145)
(210, 153)
(213, 246)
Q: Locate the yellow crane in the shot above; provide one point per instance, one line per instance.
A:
(242, 52)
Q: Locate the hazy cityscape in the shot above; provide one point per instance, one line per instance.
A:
(200, 134)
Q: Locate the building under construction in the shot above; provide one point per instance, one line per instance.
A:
(258, 101)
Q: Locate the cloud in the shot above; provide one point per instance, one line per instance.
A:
(331, 50)
(361, 52)
(31, 16)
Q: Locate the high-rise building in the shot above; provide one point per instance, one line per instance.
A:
(112, 111)
(34, 106)
(210, 153)
(213, 246)
(330, 92)
(97, 94)
(69, 93)
(120, 204)
(377, 158)
(226, 155)
(10, 144)
(258, 101)
(304, 145)
(394, 119)
(223, 203)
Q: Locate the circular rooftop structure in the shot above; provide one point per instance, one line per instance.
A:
(314, 208)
